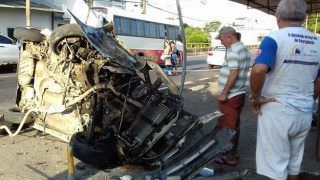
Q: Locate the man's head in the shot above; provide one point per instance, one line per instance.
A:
(291, 11)
(227, 36)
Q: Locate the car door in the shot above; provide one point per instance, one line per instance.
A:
(9, 52)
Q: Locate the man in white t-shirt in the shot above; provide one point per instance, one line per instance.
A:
(284, 84)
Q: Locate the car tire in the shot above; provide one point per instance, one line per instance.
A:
(28, 34)
(100, 154)
(210, 66)
(67, 30)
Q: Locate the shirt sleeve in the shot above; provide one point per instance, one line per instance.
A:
(267, 52)
(233, 60)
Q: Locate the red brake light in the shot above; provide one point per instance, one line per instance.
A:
(210, 53)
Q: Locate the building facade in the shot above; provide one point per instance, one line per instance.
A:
(13, 14)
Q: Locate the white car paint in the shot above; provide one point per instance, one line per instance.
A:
(9, 51)
(216, 56)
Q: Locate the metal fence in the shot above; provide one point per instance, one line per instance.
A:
(194, 49)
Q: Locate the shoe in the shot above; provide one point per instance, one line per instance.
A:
(225, 161)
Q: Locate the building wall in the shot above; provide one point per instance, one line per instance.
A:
(11, 18)
(253, 37)
(249, 37)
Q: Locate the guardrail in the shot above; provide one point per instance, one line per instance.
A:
(195, 49)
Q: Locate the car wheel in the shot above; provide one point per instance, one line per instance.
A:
(28, 34)
(210, 66)
(101, 153)
(65, 31)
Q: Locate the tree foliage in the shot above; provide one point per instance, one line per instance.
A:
(310, 24)
(212, 26)
(196, 35)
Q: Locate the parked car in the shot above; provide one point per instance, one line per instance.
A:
(9, 50)
(216, 57)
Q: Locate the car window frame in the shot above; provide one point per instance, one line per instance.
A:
(10, 40)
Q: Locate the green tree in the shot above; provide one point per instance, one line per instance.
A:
(196, 35)
(211, 27)
(313, 23)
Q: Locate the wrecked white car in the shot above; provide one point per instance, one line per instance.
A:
(82, 86)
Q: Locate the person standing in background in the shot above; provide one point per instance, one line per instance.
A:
(167, 58)
(175, 55)
(232, 88)
(284, 83)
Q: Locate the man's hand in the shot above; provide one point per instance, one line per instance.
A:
(256, 103)
(222, 97)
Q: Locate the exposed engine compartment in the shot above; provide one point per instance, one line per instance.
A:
(87, 89)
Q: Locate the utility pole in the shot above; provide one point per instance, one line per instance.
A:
(183, 36)
(307, 22)
(28, 19)
(90, 3)
(144, 6)
(316, 26)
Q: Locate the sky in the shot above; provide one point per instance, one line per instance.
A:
(224, 11)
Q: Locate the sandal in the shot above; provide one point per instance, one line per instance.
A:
(225, 161)
(236, 156)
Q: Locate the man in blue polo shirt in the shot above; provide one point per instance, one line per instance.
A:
(284, 84)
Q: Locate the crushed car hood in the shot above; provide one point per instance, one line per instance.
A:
(105, 42)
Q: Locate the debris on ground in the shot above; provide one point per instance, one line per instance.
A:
(126, 177)
(206, 172)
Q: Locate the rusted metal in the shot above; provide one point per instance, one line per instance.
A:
(70, 163)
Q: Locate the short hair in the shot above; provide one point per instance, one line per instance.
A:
(238, 36)
(292, 10)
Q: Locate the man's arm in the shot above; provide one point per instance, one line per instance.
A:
(257, 79)
(231, 79)
(264, 63)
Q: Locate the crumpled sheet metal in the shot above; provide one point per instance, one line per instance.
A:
(104, 41)
(202, 145)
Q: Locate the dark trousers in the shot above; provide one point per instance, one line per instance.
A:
(231, 119)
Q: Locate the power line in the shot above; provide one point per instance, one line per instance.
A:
(175, 13)
(161, 9)
(126, 1)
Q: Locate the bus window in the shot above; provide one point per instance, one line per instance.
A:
(172, 32)
(140, 28)
(152, 30)
(124, 26)
(147, 29)
(133, 27)
(162, 32)
(117, 25)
